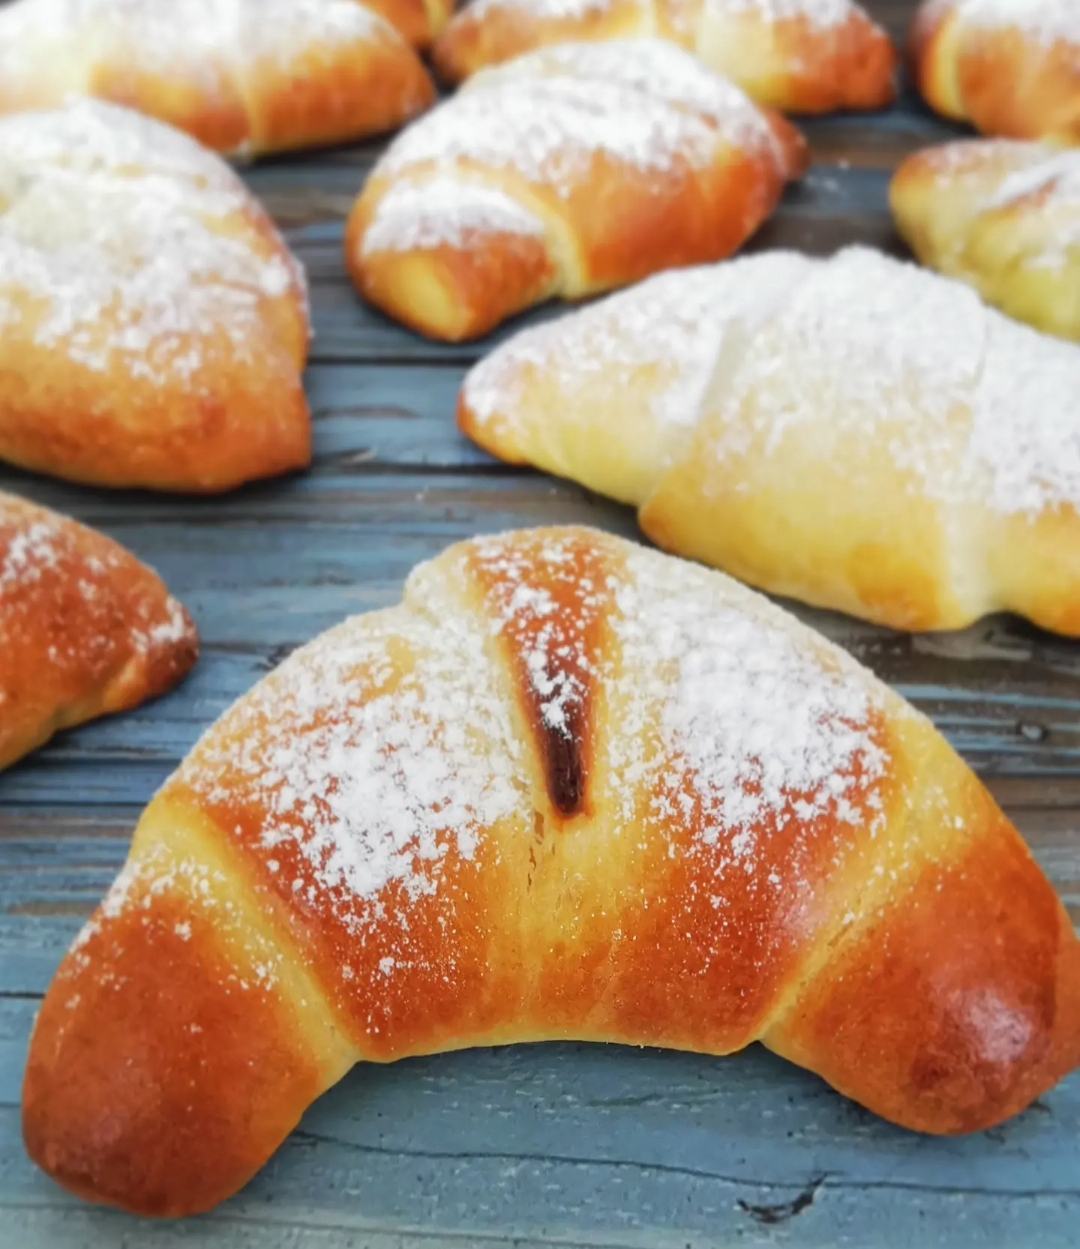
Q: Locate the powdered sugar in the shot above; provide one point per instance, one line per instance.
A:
(374, 773)
(548, 114)
(124, 243)
(1044, 20)
(29, 552)
(770, 723)
(654, 67)
(658, 342)
(444, 211)
(821, 14)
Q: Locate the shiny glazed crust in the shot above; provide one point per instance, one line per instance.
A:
(996, 73)
(1002, 215)
(451, 236)
(791, 63)
(155, 324)
(85, 629)
(264, 76)
(343, 870)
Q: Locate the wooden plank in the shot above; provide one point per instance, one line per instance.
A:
(602, 1145)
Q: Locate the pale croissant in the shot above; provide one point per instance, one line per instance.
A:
(857, 433)
(570, 788)
(243, 77)
(1010, 67)
(803, 56)
(565, 172)
(85, 628)
(1003, 215)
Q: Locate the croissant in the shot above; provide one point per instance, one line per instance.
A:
(857, 433)
(570, 788)
(564, 172)
(1003, 215)
(85, 629)
(153, 325)
(810, 56)
(244, 77)
(1010, 67)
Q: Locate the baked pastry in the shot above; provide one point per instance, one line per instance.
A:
(153, 325)
(85, 629)
(1003, 215)
(564, 172)
(570, 788)
(803, 56)
(1010, 67)
(244, 77)
(857, 433)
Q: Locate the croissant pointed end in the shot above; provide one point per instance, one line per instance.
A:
(170, 1057)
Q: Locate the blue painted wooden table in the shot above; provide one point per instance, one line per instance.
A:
(560, 1144)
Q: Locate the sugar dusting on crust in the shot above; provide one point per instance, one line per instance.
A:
(655, 67)
(821, 14)
(376, 751)
(444, 212)
(770, 723)
(675, 323)
(548, 114)
(389, 744)
(204, 41)
(898, 354)
(124, 242)
(1046, 21)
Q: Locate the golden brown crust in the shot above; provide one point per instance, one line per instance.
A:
(791, 63)
(259, 77)
(1016, 78)
(1002, 215)
(454, 245)
(157, 339)
(473, 819)
(85, 629)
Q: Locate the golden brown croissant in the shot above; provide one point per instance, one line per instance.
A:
(564, 172)
(1010, 67)
(1003, 215)
(804, 56)
(244, 77)
(153, 325)
(570, 788)
(85, 629)
(857, 433)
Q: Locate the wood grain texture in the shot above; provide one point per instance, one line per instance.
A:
(544, 1145)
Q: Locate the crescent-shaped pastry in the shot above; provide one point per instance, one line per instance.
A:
(85, 629)
(570, 788)
(802, 56)
(857, 433)
(565, 172)
(1003, 215)
(1010, 67)
(243, 76)
(153, 325)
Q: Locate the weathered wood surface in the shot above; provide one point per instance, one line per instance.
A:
(562, 1145)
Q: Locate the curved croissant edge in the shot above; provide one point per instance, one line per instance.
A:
(929, 972)
(88, 631)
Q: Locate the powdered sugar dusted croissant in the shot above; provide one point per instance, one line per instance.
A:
(153, 325)
(246, 77)
(569, 788)
(857, 433)
(1003, 215)
(1010, 67)
(805, 56)
(85, 629)
(564, 172)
